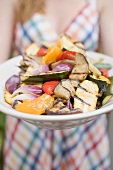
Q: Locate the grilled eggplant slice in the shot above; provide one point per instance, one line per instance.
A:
(79, 44)
(93, 69)
(66, 44)
(66, 83)
(62, 92)
(81, 68)
(75, 83)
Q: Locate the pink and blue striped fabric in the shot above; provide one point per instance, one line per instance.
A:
(85, 147)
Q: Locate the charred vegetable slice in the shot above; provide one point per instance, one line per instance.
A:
(75, 83)
(59, 106)
(85, 107)
(66, 44)
(87, 97)
(45, 77)
(93, 69)
(79, 44)
(81, 68)
(62, 92)
(102, 84)
(66, 83)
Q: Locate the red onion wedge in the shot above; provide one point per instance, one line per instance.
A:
(30, 89)
(62, 67)
(40, 69)
(69, 105)
(22, 97)
(12, 83)
(30, 61)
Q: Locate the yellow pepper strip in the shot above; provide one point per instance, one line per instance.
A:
(103, 78)
(59, 43)
(51, 56)
(36, 106)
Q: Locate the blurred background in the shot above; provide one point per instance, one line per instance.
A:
(2, 133)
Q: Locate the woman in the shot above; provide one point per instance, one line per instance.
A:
(81, 148)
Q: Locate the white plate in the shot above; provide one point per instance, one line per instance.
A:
(9, 68)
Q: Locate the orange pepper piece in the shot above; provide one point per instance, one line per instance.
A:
(51, 56)
(36, 106)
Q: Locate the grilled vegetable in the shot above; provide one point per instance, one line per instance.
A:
(93, 69)
(109, 90)
(62, 92)
(66, 83)
(102, 83)
(62, 67)
(79, 44)
(8, 97)
(45, 77)
(75, 83)
(12, 83)
(51, 56)
(70, 55)
(59, 106)
(48, 87)
(66, 44)
(36, 106)
(86, 98)
(79, 103)
(42, 52)
(81, 68)
(106, 99)
(104, 72)
(66, 61)
(32, 49)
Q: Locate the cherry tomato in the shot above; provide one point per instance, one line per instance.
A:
(48, 87)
